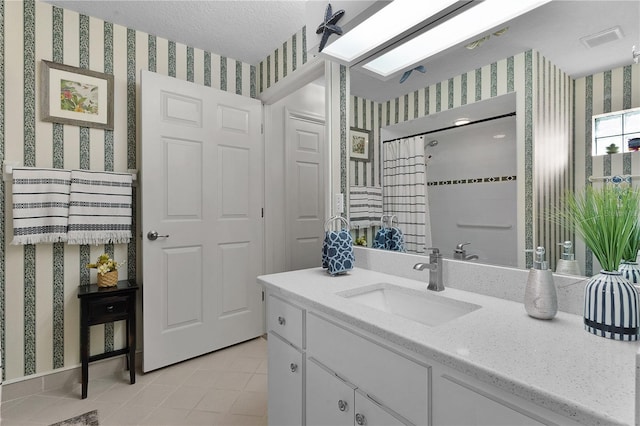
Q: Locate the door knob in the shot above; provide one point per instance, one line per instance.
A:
(153, 235)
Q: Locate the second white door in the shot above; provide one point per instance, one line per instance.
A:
(305, 147)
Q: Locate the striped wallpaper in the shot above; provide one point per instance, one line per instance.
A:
(39, 308)
(599, 93)
(283, 61)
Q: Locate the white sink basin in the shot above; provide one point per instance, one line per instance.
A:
(426, 308)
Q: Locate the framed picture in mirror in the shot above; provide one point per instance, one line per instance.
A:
(360, 144)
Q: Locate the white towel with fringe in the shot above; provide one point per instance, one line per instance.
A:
(365, 206)
(40, 205)
(99, 207)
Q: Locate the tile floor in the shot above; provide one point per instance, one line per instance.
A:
(227, 387)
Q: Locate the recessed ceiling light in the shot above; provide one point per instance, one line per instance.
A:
(476, 20)
(499, 136)
(462, 121)
(391, 21)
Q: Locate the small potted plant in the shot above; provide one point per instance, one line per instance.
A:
(607, 219)
(107, 270)
(612, 149)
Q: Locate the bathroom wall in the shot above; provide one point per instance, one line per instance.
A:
(599, 93)
(38, 284)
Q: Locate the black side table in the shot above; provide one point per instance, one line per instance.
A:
(99, 305)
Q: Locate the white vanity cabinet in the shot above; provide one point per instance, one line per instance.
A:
(346, 376)
(286, 363)
(333, 401)
(461, 400)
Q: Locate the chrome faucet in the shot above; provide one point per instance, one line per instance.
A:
(461, 254)
(435, 269)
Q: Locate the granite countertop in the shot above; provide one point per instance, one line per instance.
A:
(554, 364)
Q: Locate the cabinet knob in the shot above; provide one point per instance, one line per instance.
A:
(281, 320)
(360, 419)
(293, 367)
(110, 308)
(342, 405)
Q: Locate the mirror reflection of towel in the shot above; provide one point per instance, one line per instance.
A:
(395, 240)
(337, 252)
(380, 240)
(390, 239)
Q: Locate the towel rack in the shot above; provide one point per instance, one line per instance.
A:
(483, 225)
(390, 217)
(333, 219)
(598, 178)
(8, 166)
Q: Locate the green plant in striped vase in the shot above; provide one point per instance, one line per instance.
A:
(629, 265)
(607, 219)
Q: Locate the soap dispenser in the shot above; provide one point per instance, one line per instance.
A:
(567, 264)
(540, 298)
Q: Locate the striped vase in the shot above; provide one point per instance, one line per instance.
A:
(631, 271)
(611, 307)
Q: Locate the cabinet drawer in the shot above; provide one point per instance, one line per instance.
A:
(372, 414)
(286, 320)
(286, 371)
(329, 398)
(388, 377)
(107, 308)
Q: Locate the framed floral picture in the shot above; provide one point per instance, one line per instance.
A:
(76, 96)
(360, 144)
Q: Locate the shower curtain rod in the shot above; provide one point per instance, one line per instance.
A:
(497, 117)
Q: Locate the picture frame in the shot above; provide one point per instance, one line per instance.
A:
(76, 96)
(360, 144)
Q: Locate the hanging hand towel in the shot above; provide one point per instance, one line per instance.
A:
(395, 240)
(339, 252)
(99, 207)
(325, 250)
(380, 240)
(40, 205)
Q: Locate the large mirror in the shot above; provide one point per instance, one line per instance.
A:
(554, 67)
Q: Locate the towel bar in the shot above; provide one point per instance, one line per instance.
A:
(390, 217)
(8, 166)
(483, 225)
(334, 218)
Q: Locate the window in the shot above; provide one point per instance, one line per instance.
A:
(616, 132)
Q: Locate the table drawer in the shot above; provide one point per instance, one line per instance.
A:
(286, 320)
(107, 307)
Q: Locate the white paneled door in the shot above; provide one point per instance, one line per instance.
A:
(304, 190)
(202, 196)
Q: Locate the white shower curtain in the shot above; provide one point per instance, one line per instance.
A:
(405, 191)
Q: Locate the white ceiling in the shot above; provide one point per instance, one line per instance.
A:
(249, 30)
(246, 30)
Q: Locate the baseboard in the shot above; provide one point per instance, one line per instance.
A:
(68, 377)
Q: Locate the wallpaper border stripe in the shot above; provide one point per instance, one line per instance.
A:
(29, 20)
(58, 162)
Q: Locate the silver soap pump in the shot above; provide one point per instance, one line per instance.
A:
(567, 264)
(540, 298)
